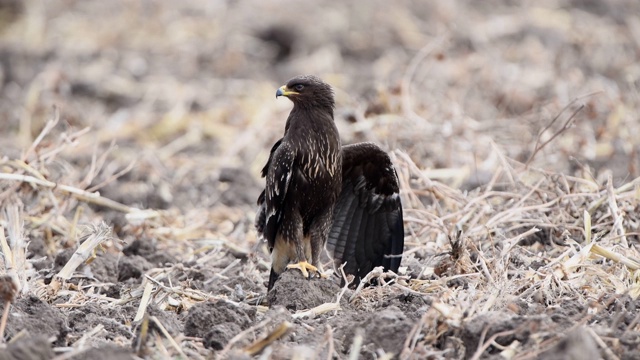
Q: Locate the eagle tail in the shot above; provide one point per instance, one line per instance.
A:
(273, 276)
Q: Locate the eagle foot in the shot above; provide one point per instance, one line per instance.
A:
(305, 268)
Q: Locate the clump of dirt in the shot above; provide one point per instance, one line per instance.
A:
(147, 249)
(106, 352)
(28, 348)
(132, 267)
(218, 321)
(171, 321)
(298, 352)
(384, 330)
(513, 327)
(104, 268)
(294, 292)
(578, 344)
(108, 267)
(413, 306)
(87, 317)
(219, 335)
(37, 318)
(37, 253)
(240, 284)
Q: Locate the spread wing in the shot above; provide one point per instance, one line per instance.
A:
(367, 228)
(278, 171)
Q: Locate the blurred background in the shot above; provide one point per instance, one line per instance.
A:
(183, 92)
(171, 105)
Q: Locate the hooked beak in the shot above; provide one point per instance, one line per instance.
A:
(284, 91)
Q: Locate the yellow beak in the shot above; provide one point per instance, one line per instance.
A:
(284, 91)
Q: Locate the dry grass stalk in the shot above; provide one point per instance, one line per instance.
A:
(607, 351)
(140, 345)
(239, 336)
(328, 339)
(166, 334)
(86, 336)
(7, 257)
(356, 345)
(186, 292)
(566, 126)
(144, 301)
(509, 352)
(452, 315)
(415, 334)
(587, 227)
(618, 217)
(483, 346)
(274, 335)
(3, 321)
(15, 250)
(48, 126)
(71, 354)
(631, 264)
(97, 235)
(90, 197)
(8, 291)
(374, 273)
(320, 309)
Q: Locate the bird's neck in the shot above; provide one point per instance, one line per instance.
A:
(305, 118)
(313, 109)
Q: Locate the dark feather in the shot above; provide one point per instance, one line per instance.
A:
(367, 230)
(278, 180)
(261, 214)
(303, 176)
(265, 169)
(317, 190)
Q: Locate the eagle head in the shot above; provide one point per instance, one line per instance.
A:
(308, 90)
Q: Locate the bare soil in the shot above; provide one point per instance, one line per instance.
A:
(141, 127)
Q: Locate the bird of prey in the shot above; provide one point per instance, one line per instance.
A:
(319, 193)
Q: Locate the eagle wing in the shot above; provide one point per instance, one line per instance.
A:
(367, 229)
(261, 214)
(271, 200)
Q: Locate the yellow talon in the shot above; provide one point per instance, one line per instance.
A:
(304, 267)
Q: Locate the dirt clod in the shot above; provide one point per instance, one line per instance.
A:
(384, 330)
(148, 250)
(220, 334)
(294, 292)
(132, 267)
(37, 318)
(218, 321)
(114, 320)
(577, 345)
(106, 352)
(28, 348)
(104, 268)
(512, 327)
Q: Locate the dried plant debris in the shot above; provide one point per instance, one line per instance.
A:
(132, 137)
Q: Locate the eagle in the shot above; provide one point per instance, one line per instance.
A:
(319, 194)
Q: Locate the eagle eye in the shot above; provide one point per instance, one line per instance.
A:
(299, 87)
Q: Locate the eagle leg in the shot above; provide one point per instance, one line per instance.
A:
(305, 268)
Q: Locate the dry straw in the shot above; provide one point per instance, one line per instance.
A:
(525, 235)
